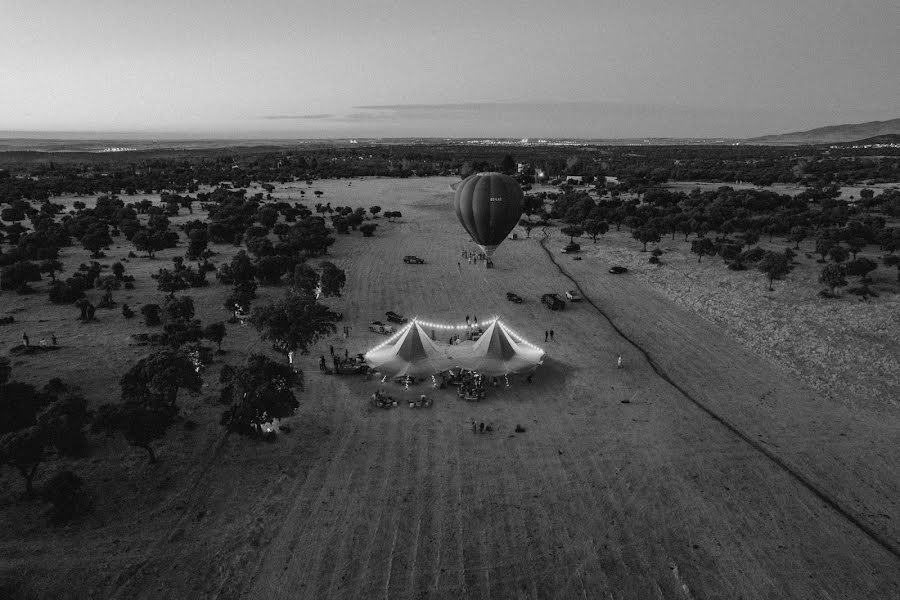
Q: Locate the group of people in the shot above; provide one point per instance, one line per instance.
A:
(472, 386)
(382, 400)
(548, 335)
(472, 258)
(481, 427)
(43, 343)
(340, 361)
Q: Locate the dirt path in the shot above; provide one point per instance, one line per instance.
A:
(888, 542)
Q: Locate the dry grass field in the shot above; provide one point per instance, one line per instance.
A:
(747, 449)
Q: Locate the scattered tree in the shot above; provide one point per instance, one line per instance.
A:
(775, 265)
(833, 276)
(294, 323)
(258, 393)
(703, 247)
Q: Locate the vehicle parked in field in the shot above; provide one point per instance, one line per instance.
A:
(553, 302)
(379, 327)
(617, 270)
(573, 296)
(513, 297)
(413, 260)
(395, 318)
(571, 248)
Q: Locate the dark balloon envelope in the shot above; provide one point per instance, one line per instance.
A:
(488, 205)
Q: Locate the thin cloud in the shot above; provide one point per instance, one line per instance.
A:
(296, 117)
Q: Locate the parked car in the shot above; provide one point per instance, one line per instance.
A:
(395, 318)
(571, 248)
(413, 260)
(379, 327)
(553, 302)
(573, 296)
(617, 270)
(513, 297)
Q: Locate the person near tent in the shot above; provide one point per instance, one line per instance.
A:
(346, 354)
(25, 338)
(619, 362)
(551, 335)
(546, 335)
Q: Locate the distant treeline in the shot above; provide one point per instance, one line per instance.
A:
(41, 176)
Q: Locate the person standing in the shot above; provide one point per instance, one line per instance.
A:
(25, 338)
(331, 348)
(619, 362)
(551, 335)
(53, 338)
(546, 335)
(459, 267)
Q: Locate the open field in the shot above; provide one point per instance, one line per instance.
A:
(703, 469)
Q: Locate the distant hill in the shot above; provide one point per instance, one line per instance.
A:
(833, 134)
(890, 138)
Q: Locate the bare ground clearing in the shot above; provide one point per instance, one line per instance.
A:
(646, 499)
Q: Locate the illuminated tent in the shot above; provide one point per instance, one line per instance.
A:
(497, 353)
(412, 353)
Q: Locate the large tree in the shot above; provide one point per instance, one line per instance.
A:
(332, 280)
(139, 423)
(646, 235)
(258, 393)
(157, 378)
(294, 323)
(595, 227)
(775, 265)
(573, 231)
(703, 246)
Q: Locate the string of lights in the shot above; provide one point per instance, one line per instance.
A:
(517, 338)
(470, 325)
(393, 338)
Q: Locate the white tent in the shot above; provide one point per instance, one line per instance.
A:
(495, 353)
(412, 353)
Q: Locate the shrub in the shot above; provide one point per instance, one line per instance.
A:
(753, 255)
(152, 314)
(63, 491)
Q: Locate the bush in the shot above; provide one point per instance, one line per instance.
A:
(69, 291)
(863, 292)
(127, 312)
(753, 255)
(737, 265)
(63, 491)
(152, 314)
(654, 260)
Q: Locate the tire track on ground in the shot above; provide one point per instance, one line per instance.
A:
(820, 493)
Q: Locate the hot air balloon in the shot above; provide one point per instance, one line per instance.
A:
(488, 205)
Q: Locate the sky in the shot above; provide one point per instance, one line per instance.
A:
(428, 68)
